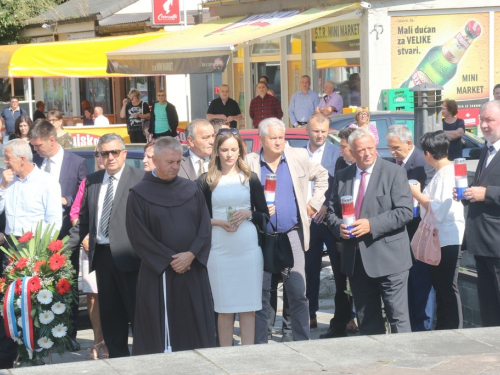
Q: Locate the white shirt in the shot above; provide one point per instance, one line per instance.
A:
(357, 181)
(101, 239)
(55, 163)
(491, 155)
(101, 120)
(316, 157)
(27, 201)
(195, 161)
(449, 213)
(405, 160)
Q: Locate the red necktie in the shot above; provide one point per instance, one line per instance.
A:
(361, 195)
(400, 162)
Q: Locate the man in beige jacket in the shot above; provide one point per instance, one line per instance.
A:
(291, 212)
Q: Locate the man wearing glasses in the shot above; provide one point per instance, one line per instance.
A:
(69, 169)
(102, 216)
(9, 117)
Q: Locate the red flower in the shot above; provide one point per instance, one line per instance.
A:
(34, 284)
(2, 284)
(55, 246)
(63, 286)
(21, 263)
(18, 287)
(37, 265)
(56, 261)
(26, 237)
(11, 260)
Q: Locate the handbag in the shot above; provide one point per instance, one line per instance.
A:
(145, 123)
(425, 243)
(276, 249)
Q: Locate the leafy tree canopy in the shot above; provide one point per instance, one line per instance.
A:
(15, 13)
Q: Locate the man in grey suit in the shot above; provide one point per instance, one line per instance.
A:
(482, 234)
(420, 292)
(200, 137)
(377, 260)
(102, 216)
(290, 213)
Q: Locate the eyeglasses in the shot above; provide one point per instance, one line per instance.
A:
(233, 131)
(105, 154)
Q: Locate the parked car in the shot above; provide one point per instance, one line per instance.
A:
(384, 119)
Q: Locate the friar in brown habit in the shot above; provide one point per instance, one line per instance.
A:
(169, 227)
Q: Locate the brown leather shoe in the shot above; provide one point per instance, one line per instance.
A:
(313, 323)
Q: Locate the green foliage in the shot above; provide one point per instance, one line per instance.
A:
(15, 13)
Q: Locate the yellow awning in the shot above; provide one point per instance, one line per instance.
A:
(206, 47)
(77, 58)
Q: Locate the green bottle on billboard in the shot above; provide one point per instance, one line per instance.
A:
(440, 64)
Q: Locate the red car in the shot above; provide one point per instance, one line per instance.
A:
(294, 137)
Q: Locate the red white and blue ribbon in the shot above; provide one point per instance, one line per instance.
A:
(8, 312)
(26, 318)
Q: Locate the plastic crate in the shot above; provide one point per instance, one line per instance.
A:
(397, 100)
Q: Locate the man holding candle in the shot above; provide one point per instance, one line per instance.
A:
(291, 213)
(378, 259)
(482, 234)
(420, 291)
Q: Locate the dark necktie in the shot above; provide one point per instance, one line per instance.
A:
(107, 207)
(361, 195)
(326, 97)
(399, 162)
(47, 165)
(485, 162)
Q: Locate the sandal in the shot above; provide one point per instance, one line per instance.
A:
(94, 351)
(104, 355)
(352, 327)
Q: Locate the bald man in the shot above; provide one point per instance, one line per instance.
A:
(99, 118)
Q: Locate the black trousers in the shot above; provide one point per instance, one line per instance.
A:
(488, 289)
(445, 282)
(168, 133)
(137, 136)
(116, 301)
(369, 292)
(321, 234)
(273, 307)
(75, 262)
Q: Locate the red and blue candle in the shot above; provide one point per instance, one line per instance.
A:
(270, 188)
(415, 202)
(348, 214)
(461, 183)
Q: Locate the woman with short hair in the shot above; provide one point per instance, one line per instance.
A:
(63, 138)
(362, 121)
(453, 127)
(450, 222)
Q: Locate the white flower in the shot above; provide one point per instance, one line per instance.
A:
(20, 321)
(45, 343)
(44, 296)
(58, 308)
(59, 330)
(18, 302)
(46, 317)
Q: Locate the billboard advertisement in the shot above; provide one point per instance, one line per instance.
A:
(453, 54)
(166, 12)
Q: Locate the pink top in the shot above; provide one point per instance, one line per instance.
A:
(75, 208)
(372, 128)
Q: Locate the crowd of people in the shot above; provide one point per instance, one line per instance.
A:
(174, 250)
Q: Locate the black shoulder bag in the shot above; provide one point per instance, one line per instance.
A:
(276, 249)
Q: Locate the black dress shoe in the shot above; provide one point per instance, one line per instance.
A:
(287, 337)
(73, 345)
(332, 334)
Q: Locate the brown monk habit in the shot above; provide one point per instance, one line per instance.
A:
(165, 218)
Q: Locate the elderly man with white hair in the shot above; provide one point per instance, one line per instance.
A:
(99, 118)
(291, 213)
(27, 195)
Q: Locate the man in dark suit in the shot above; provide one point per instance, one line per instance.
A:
(322, 152)
(420, 291)
(102, 216)
(200, 137)
(377, 260)
(70, 169)
(482, 232)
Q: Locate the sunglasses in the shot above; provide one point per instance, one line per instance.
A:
(105, 154)
(233, 131)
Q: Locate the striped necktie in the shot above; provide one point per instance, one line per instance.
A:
(107, 206)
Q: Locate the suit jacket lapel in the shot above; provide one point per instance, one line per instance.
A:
(120, 189)
(64, 167)
(188, 166)
(349, 183)
(93, 197)
(478, 176)
(411, 160)
(491, 166)
(371, 189)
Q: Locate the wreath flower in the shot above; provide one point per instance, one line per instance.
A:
(55, 246)
(63, 286)
(26, 237)
(56, 261)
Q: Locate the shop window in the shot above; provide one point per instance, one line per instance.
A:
(346, 79)
(294, 74)
(270, 47)
(294, 44)
(239, 87)
(57, 95)
(98, 92)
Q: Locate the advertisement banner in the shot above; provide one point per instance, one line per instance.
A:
(337, 36)
(166, 12)
(453, 54)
